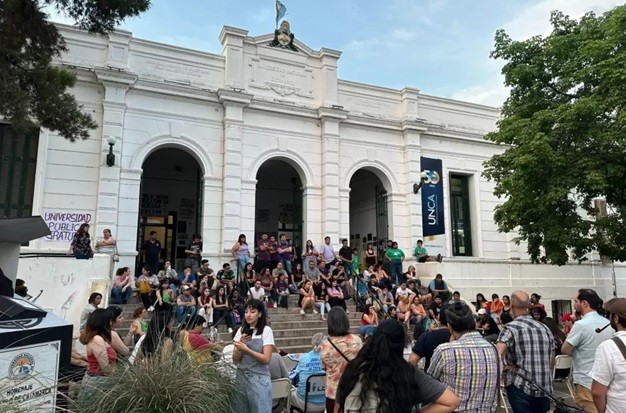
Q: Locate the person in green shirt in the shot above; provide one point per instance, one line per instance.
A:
(226, 277)
(421, 255)
(355, 260)
(396, 256)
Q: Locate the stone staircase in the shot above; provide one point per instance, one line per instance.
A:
(292, 331)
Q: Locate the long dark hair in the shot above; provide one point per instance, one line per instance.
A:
(239, 239)
(221, 299)
(158, 329)
(382, 368)
(98, 324)
(260, 307)
(82, 231)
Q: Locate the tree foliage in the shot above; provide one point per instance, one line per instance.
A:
(564, 129)
(34, 93)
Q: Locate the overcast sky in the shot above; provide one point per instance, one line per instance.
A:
(438, 46)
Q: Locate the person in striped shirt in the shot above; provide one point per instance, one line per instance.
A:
(468, 365)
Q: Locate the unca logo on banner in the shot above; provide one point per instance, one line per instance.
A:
(22, 366)
(433, 177)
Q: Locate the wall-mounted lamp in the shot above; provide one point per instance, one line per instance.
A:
(111, 156)
(417, 187)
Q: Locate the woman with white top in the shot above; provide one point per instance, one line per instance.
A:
(254, 344)
(107, 244)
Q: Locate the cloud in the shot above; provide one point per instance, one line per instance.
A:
(534, 20)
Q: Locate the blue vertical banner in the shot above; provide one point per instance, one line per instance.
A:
(433, 222)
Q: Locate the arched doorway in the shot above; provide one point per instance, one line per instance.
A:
(279, 201)
(369, 219)
(170, 203)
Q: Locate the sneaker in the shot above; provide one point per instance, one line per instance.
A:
(347, 311)
(315, 312)
(439, 258)
(230, 330)
(151, 308)
(302, 312)
(323, 318)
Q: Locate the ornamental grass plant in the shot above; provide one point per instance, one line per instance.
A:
(155, 386)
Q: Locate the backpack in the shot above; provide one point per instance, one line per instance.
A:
(354, 404)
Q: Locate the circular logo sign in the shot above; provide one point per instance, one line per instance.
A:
(21, 366)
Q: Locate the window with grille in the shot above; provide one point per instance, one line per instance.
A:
(18, 162)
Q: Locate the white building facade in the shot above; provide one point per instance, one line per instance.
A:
(265, 139)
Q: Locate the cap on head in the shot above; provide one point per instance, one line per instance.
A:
(616, 306)
(481, 311)
(567, 317)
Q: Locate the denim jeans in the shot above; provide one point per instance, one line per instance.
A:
(118, 296)
(524, 403)
(367, 330)
(182, 312)
(395, 269)
(255, 394)
(241, 262)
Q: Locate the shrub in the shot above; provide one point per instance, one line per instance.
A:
(155, 386)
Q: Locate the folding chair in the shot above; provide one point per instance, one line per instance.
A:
(315, 386)
(565, 362)
(281, 388)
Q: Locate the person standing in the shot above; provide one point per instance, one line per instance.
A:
(346, 253)
(152, 252)
(582, 343)
(468, 365)
(194, 253)
(327, 253)
(273, 248)
(254, 344)
(396, 257)
(370, 256)
(285, 253)
(263, 253)
(309, 254)
(80, 247)
(241, 252)
(339, 347)
(527, 346)
(609, 367)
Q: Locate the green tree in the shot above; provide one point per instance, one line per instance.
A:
(563, 128)
(34, 93)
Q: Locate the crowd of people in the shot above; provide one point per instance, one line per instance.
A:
(460, 351)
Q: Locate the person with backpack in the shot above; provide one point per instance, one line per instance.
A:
(379, 380)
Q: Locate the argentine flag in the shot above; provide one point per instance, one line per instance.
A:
(280, 11)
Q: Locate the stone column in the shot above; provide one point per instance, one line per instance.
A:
(212, 217)
(312, 208)
(233, 102)
(110, 199)
(412, 127)
(330, 119)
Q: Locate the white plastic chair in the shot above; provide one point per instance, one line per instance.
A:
(565, 362)
(281, 388)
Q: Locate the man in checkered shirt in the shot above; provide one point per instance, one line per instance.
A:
(528, 349)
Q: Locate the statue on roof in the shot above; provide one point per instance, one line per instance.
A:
(283, 37)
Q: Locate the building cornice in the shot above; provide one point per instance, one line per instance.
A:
(232, 97)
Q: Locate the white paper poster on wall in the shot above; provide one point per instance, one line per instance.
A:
(64, 224)
(30, 375)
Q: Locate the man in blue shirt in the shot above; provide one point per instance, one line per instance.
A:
(582, 343)
(152, 252)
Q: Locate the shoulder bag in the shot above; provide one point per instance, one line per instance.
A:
(620, 345)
